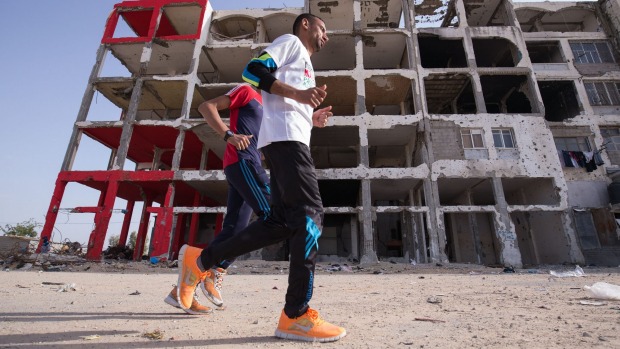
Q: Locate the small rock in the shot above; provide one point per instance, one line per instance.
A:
(433, 300)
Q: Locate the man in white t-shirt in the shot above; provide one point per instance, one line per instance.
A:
(283, 71)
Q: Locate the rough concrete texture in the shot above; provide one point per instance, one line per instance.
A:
(409, 82)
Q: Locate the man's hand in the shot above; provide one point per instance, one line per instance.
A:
(313, 96)
(240, 142)
(319, 117)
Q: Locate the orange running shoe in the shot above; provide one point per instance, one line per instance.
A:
(189, 276)
(196, 306)
(308, 327)
(211, 286)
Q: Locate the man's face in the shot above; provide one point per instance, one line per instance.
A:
(317, 33)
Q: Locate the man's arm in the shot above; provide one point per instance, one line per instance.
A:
(209, 110)
(259, 72)
(320, 116)
(313, 96)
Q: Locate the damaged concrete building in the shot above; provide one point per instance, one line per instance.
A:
(465, 131)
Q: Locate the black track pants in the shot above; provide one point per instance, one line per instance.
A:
(296, 214)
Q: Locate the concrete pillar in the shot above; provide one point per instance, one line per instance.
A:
(456, 246)
(76, 135)
(473, 224)
(355, 250)
(193, 226)
(142, 230)
(204, 157)
(178, 151)
(177, 235)
(504, 229)
(134, 102)
(610, 10)
(436, 231)
(369, 254)
(574, 251)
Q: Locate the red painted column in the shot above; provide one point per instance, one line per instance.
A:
(52, 212)
(142, 230)
(102, 221)
(97, 210)
(122, 240)
(161, 235)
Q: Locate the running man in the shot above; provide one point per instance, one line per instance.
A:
(248, 188)
(284, 72)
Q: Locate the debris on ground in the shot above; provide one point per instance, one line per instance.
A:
(118, 252)
(427, 319)
(578, 272)
(603, 290)
(155, 335)
(67, 288)
(434, 300)
(338, 267)
(594, 303)
(72, 248)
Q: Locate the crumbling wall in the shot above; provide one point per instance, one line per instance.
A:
(446, 141)
(611, 13)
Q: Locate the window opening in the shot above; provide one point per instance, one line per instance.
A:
(503, 138)
(472, 139)
(572, 143)
(611, 137)
(559, 99)
(592, 52)
(603, 93)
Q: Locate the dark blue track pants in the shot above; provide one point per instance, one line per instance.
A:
(248, 191)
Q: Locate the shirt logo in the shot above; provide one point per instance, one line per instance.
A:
(308, 80)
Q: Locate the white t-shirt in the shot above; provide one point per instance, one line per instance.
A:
(285, 119)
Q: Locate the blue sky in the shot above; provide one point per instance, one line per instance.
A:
(46, 57)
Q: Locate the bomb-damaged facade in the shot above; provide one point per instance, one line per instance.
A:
(483, 132)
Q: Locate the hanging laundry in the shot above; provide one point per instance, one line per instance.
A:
(578, 158)
(589, 159)
(598, 160)
(568, 161)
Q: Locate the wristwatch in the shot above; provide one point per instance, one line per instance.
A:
(227, 135)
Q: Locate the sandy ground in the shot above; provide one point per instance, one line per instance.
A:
(383, 306)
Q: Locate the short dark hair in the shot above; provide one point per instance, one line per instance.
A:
(297, 23)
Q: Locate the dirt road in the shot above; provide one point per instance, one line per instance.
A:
(388, 306)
